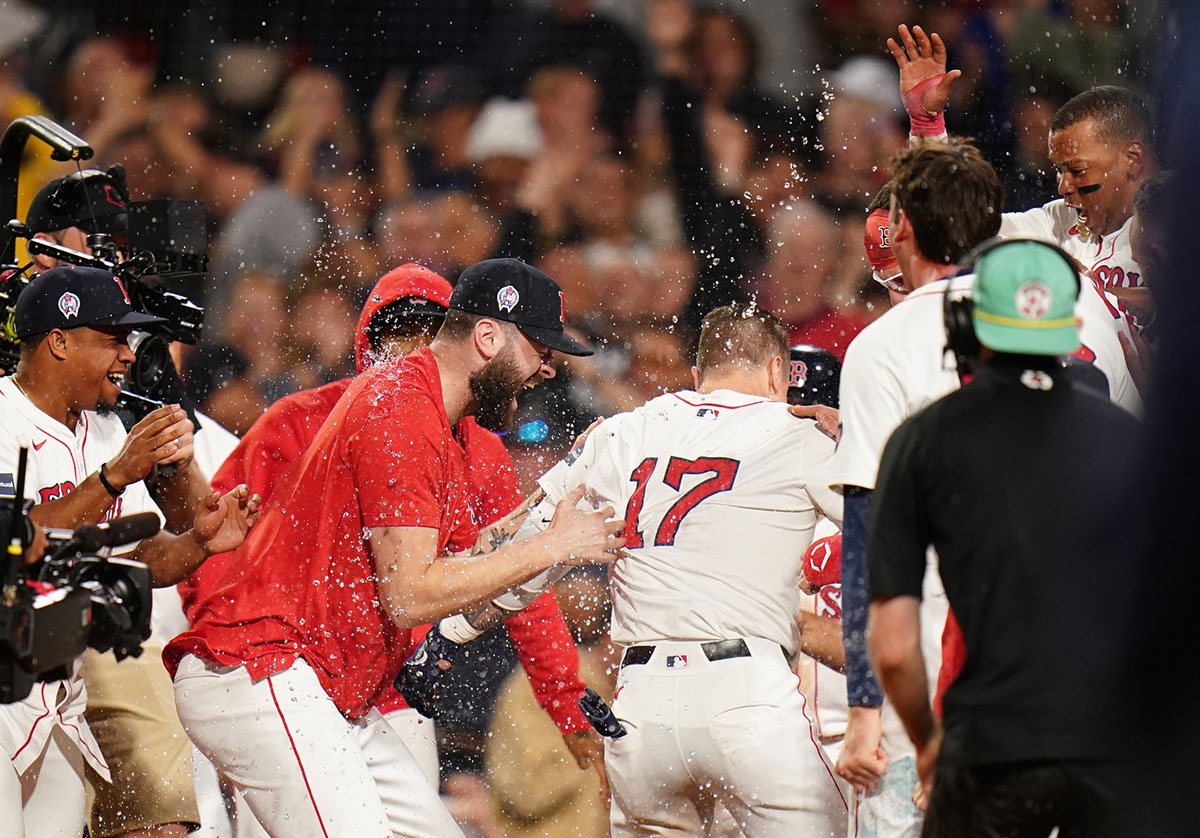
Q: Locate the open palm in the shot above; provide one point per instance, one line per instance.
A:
(923, 77)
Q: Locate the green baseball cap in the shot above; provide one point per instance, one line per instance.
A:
(1024, 299)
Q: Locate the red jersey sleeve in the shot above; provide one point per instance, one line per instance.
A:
(544, 646)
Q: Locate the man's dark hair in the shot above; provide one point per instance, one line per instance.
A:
(1118, 114)
(740, 333)
(952, 196)
(397, 318)
(1154, 199)
(882, 199)
(458, 324)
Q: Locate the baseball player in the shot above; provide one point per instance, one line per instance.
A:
(814, 380)
(278, 680)
(719, 510)
(941, 194)
(1100, 144)
(402, 313)
(73, 324)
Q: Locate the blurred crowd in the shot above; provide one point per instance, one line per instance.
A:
(656, 158)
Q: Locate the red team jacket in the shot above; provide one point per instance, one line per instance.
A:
(287, 429)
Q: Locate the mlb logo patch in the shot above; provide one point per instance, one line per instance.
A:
(707, 413)
(676, 661)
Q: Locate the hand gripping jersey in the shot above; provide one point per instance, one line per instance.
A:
(720, 493)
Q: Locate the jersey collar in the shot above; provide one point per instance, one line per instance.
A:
(35, 414)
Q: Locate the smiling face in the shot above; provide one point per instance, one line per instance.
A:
(1084, 158)
(98, 359)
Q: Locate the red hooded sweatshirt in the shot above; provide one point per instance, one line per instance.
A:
(539, 634)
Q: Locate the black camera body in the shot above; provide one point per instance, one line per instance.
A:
(71, 600)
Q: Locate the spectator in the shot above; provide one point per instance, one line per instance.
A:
(446, 100)
(256, 328)
(536, 788)
(804, 255)
(218, 382)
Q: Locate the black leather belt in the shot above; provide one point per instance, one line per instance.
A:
(717, 650)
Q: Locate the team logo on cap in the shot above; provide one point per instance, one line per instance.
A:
(799, 374)
(1033, 300)
(507, 298)
(68, 304)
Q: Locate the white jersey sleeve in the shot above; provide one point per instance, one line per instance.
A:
(596, 465)
(817, 468)
(1048, 223)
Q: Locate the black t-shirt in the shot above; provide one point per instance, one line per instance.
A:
(1016, 481)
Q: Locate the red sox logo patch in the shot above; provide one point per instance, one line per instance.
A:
(121, 285)
(799, 374)
(562, 308)
(885, 237)
(1033, 300)
(68, 304)
(111, 196)
(507, 298)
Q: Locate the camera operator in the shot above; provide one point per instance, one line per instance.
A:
(73, 324)
(67, 209)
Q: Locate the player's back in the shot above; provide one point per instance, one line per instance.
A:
(718, 514)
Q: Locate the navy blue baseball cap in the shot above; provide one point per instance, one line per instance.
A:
(509, 289)
(68, 297)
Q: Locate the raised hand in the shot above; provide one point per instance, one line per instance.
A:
(924, 82)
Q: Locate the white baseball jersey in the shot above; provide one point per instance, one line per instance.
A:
(898, 365)
(59, 460)
(1109, 258)
(720, 504)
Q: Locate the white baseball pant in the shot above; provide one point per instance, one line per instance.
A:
(414, 730)
(303, 768)
(47, 800)
(733, 731)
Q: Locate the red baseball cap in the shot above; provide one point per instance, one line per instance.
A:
(878, 242)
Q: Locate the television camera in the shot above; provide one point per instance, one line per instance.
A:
(71, 598)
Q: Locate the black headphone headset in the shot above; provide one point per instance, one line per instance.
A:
(66, 195)
(956, 313)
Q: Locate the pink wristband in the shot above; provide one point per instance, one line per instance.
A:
(923, 125)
